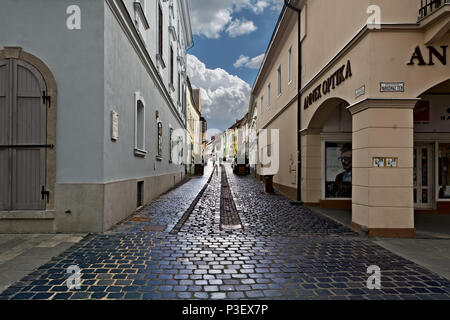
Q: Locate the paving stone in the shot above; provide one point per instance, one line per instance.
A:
(283, 252)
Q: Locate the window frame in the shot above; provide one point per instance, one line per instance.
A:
(280, 79)
(438, 173)
(172, 68)
(139, 151)
(337, 139)
(290, 65)
(262, 104)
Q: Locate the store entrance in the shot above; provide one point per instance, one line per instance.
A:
(423, 176)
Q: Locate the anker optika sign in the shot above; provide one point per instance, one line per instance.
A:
(432, 52)
(335, 80)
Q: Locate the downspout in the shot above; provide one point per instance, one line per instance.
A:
(299, 104)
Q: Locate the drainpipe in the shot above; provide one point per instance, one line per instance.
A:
(288, 4)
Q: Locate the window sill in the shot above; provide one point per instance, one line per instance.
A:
(160, 60)
(140, 153)
(159, 158)
(140, 10)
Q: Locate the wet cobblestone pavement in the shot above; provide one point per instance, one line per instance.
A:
(283, 252)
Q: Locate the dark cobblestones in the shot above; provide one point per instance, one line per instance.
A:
(284, 252)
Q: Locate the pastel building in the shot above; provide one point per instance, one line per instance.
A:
(92, 95)
(367, 108)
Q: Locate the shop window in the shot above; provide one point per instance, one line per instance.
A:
(444, 173)
(338, 170)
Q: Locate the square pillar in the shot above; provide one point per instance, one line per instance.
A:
(382, 198)
(311, 167)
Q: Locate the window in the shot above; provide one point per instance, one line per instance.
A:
(338, 170)
(170, 145)
(290, 65)
(160, 31)
(141, 18)
(159, 134)
(171, 67)
(268, 95)
(179, 88)
(444, 172)
(140, 194)
(139, 127)
(279, 80)
(262, 105)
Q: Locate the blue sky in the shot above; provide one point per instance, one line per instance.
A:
(231, 37)
(225, 51)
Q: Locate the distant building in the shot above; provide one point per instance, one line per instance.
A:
(194, 126)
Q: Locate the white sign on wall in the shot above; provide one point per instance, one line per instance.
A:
(114, 126)
(392, 87)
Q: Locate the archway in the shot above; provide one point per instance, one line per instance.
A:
(31, 90)
(432, 160)
(327, 156)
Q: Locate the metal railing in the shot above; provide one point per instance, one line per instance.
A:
(429, 6)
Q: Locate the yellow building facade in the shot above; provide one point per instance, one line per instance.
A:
(375, 108)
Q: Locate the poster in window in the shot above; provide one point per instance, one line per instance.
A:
(338, 169)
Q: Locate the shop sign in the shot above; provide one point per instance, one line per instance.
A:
(432, 52)
(392, 87)
(335, 80)
(422, 112)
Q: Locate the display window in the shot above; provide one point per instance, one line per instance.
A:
(444, 173)
(338, 170)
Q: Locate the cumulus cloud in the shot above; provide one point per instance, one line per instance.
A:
(240, 27)
(224, 96)
(253, 63)
(212, 17)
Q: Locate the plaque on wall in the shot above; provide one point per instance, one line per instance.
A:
(114, 126)
(392, 87)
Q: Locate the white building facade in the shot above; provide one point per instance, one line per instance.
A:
(108, 79)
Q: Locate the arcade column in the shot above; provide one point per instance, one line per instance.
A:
(383, 144)
(311, 166)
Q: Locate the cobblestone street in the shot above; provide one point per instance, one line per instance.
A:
(280, 251)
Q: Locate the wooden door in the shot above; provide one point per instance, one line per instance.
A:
(22, 137)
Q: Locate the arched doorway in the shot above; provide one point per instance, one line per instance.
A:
(27, 133)
(23, 110)
(327, 161)
(432, 157)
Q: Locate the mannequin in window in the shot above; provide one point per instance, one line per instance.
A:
(344, 179)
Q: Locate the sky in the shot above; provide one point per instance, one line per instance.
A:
(230, 39)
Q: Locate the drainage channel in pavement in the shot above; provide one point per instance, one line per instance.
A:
(191, 208)
(229, 217)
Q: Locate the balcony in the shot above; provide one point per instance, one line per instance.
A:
(429, 6)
